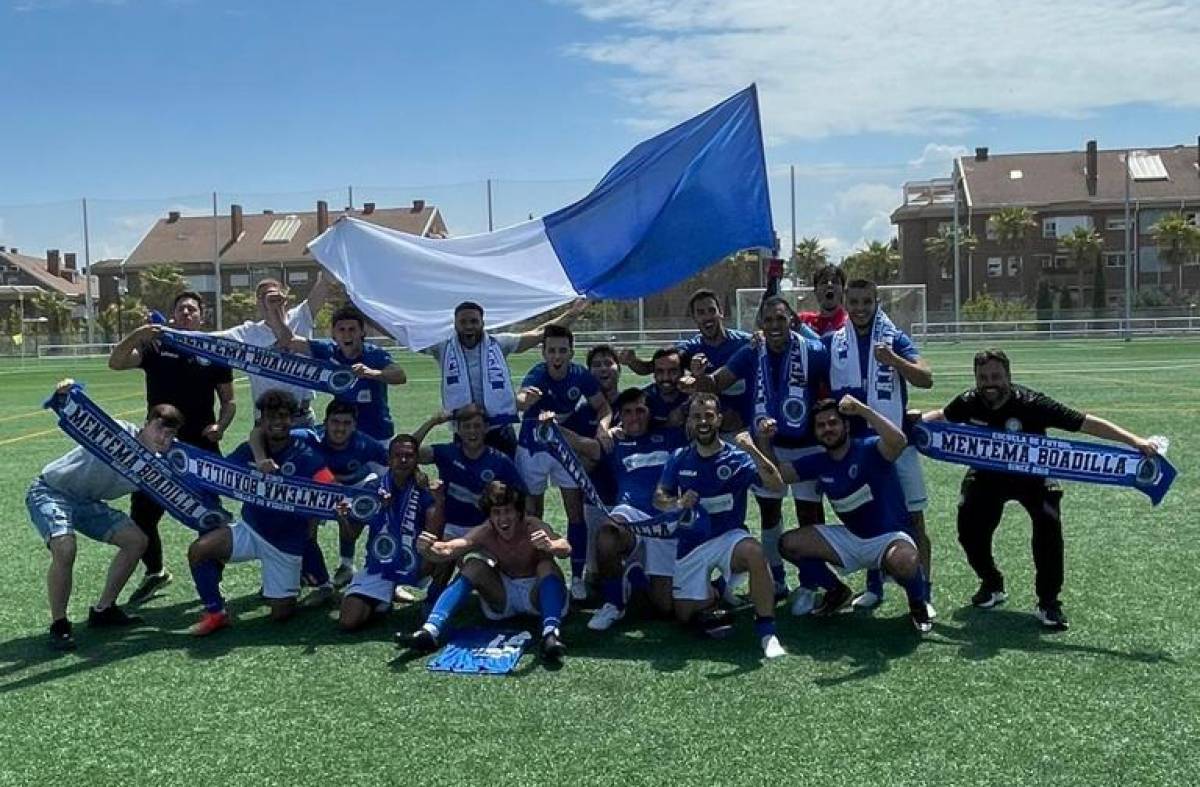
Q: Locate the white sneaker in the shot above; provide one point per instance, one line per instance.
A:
(929, 610)
(402, 595)
(579, 589)
(605, 617)
(772, 648)
(803, 601)
(866, 601)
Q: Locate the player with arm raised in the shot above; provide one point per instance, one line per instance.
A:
(515, 574)
(858, 476)
(716, 476)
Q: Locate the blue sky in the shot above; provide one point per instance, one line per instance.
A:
(147, 105)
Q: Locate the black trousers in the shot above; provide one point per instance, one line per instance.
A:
(979, 512)
(146, 513)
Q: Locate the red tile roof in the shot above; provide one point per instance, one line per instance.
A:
(35, 268)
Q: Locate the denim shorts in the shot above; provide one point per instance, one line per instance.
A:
(56, 514)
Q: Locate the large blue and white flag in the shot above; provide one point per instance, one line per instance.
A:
(674, 205)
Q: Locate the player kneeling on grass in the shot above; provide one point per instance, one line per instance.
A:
(858, 476)
(716, 476)
(636, 457)
(275, 539)
(409, 510)
(68, 497)
(515, 574)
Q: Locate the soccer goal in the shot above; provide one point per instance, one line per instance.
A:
(904, 303)
(59, 351)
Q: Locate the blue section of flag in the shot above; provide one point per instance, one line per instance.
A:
(481, 652)
(672, 206)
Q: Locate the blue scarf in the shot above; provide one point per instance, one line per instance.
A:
(298, 496)
(100, 435)
(392, 552)
(784, 397)
(663, 525)
(270, 362)
(1037, 455)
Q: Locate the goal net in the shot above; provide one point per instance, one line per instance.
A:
(904, 303)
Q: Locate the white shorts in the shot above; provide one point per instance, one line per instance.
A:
(373, 586)
(280, 571)
(450, 531)
(539, 469)
(593, 517)
(801, 490)
(857, 553)
(657, 555)
(693, 570)
(518, 599)
(912, 480)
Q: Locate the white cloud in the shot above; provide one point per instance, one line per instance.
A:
(924, 66)
(937, 157)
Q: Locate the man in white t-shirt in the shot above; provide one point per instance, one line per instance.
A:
(472, 344)
(271, 294)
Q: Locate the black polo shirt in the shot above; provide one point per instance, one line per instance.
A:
(187, 382)
(1025, 411)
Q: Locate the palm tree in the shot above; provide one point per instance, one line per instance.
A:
(809, 256)
(940, 248)
(55, 307)
(1083, 250)
(159, 286)
(1012, 226)
(1177, 239)
(238, 306)
(878, 262)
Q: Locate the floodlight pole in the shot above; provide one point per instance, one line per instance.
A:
(792, 251)
(957, 287)
(1128, 259)
(489, 203)
(87, 276)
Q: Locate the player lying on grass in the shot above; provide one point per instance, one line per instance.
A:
(716, 476)
(273, 538)
(68, 497)
(409, 510)
(636, 457)
(859, 478)
(510, 563)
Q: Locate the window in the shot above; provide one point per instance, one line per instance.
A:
(1115, 298)
(239, 280)
(947, 270)
(995, 267)
(1044, 261)
(947, 303)
(297, 277)
(1147, 166)
(202, 283)
(989, 230)
(1014, 266)
(1114, 223)
(1061, 262)
(1049, 228)
(1114, 259)
(1015, 174)
(282, 230)
(1192, 218)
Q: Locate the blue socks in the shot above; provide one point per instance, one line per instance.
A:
(612, 592)
(875, 582)
(552, 597)
(577, 537)
(207, 576)
(449, 600)
(816, 573)
(916, 588)
(763, 626)
(312, 563)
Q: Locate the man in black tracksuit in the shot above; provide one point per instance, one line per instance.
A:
(995, 402)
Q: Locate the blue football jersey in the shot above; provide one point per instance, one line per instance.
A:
(558, 396)
(287, 532)
(722, 482)
(863, 488)
(370, 396)
(637, 464)
(584, 422)
(465, 479)
(738, 397)
(902, 345)
(744, 365)
(353, 462)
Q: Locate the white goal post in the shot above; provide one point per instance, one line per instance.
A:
(904, 303)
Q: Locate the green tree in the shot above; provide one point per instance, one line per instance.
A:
(1099, 291)
(984, 307)
(1013, 226)
(1083, 250)
(1177, 239)
(878, 262)
(238, 306)
(1065, 301)
(940, 248)
(132, 314)
(809, 256)
(56, 308)
(1045, 301)
(159, 286)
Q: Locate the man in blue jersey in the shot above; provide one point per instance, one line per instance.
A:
(276, 539)
(352, 457)
(409, 510)
(510, 560)
(638, 453)
(874, 361)
(465, 466)
(372, 365)
(859, 477)
(785, 372)
(557, 385)
(716, 476)
(667, 404)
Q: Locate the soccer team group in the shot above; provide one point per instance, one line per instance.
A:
(812, 407)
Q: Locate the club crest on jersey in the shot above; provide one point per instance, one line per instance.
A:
(853, 472)
(573, 393)
(724, 472)
(656, 438)
(487, 476)
(794, 410)
(353, 465)
(1012, 425)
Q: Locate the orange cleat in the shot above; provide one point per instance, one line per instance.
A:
(210, 622)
